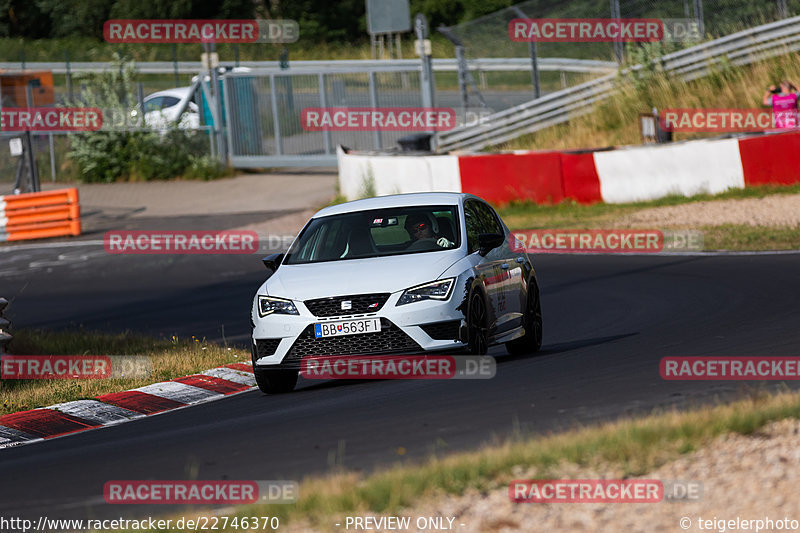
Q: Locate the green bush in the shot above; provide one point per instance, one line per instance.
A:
(134, 155)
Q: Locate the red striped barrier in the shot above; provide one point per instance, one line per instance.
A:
(627, 174)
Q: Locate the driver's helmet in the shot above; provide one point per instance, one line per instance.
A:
(415, 220)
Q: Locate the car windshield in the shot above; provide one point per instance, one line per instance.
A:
(376, 233)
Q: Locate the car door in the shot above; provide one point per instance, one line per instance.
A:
(517, 270)
(508, 281)
(488, 268)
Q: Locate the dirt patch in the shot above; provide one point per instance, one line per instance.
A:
(771, 211)
(750, 477)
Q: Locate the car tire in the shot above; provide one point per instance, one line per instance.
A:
(531, 341)
(477, 325)
(275, 381)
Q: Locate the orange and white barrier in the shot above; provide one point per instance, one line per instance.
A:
(39, 215)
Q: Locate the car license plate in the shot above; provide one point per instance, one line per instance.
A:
(347, 327)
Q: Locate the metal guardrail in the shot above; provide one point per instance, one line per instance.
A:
(742, 48)
(5, 325)
(554, 64)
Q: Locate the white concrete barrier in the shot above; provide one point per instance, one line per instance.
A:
(686, 169)
(363, 175)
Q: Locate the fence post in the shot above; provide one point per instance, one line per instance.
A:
(175, 63)
(69, 76)
(323, 103)
(276, 120)
(615, 14)
(140, 98)
(698, 14)
(426, 80)
(534, 55)
(52, 157)
(373, 102)
(34, 170)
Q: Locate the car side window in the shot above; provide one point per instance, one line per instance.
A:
(473, 221)
(488, 219)
(169, 101)
(154, 104)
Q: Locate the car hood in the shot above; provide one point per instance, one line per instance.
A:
(358, 276)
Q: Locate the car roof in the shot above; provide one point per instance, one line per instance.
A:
(177, 92)
(396, 200)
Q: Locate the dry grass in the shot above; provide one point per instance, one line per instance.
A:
(170, 358)
(615, 122)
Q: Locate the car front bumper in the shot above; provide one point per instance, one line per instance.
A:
(429, 325)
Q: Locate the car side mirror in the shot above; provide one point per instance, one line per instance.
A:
(273, 261)
(489, 241)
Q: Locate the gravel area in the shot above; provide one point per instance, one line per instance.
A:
(245, 193)
(776, 210)
(749, 477)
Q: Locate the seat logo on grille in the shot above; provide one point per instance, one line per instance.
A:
(347, 305)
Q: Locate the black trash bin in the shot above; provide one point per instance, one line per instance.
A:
(418, 142)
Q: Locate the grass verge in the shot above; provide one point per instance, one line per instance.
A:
(171, 358)
(569, 214)
(632, 446)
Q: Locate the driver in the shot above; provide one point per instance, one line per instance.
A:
(422, 227)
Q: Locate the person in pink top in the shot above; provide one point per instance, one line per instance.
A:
(783, 100)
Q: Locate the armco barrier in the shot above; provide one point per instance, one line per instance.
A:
(5, 325)
(39, 215)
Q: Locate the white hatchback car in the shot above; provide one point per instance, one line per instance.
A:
(161, 109)
(401, 274)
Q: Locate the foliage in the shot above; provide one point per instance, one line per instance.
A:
(139, 154)
(40, 19)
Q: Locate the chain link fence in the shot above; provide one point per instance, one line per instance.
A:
(488, 36)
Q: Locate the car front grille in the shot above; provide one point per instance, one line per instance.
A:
(390, 339)
(360, 304)
(443, 331)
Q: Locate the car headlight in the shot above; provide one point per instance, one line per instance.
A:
(269, 304)
(435, 290)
